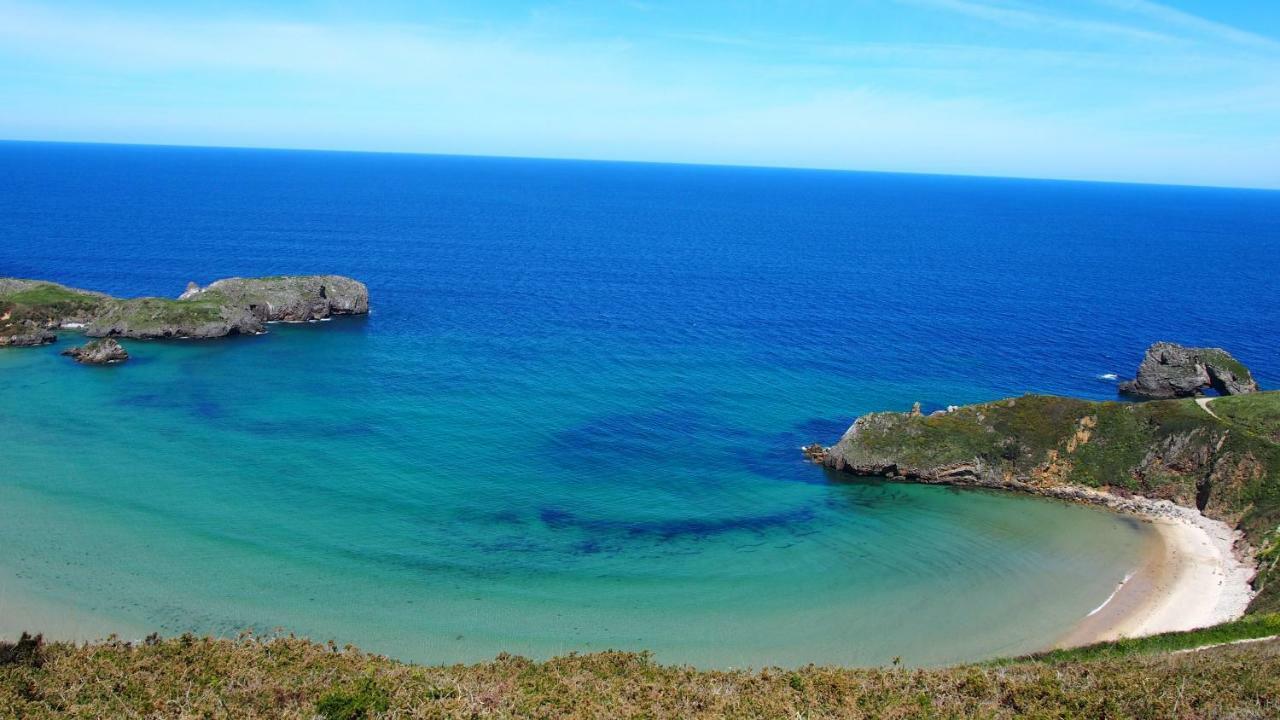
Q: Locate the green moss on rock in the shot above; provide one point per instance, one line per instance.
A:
(1227, 466)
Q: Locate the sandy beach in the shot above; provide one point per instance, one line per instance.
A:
(1193, 577)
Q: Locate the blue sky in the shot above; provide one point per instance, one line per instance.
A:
(1128, 90)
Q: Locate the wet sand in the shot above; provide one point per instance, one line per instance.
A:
(1191, 578)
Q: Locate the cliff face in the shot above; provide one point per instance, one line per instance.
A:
(1173, 371)
(31, 309)
(1228, 466)
(296, 298)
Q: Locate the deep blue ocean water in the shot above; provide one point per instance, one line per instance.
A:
(572, 420)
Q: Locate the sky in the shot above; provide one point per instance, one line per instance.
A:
(1119, 90)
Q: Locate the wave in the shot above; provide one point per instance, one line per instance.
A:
(1111, 596)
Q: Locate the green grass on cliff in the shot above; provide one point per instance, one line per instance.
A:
(1018, 432)
(291, 678)
(1228, 465)
(1257, 414)
(1250, 627)
(47, 300)
(1224, 359)
(153, 312)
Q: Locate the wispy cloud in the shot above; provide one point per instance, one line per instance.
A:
(1156, 96)
(1179, 19)
(1027, 17)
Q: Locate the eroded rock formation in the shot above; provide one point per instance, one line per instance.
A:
(1174, 371)
(103, 351)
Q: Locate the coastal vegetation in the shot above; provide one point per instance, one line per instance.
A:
(30, 310)
(1226, 464)
(287, 677)
(1255, 626)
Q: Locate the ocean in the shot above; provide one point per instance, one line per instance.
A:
(572, 420)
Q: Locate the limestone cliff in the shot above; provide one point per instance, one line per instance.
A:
(1173, 371)
(1225, 463)
(31, 309)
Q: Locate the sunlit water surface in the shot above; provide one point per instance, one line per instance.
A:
(572, 421)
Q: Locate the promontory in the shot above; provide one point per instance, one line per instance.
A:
(1216, 458)
(31, 310)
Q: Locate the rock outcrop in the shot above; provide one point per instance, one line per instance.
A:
(24, 333)
(158, 318)
(298, 298)
(1174, 371)
(235, 306)
(1225, 465)
(104, 351)
(30, 310)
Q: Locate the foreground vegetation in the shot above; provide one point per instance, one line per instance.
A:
(291, 678)
(1250, 627)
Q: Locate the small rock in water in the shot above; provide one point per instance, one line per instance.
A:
(815, 453)
(98, 352)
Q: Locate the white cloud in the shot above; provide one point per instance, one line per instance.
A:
(102, 75)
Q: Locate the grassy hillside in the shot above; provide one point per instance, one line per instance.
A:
(1225, 462)
(289, 678)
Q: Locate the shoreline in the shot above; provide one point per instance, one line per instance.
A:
(1193, 577)
(1198, 573)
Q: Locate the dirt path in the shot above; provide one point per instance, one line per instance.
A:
(1203, 402)
(1233, 642)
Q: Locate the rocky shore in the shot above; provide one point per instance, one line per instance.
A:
(32, 310)
(1216, 469)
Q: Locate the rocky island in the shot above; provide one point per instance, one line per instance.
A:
(104, 351)
(1208, 466)
(31, 310)
(1173, 371)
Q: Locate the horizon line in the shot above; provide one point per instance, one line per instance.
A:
(623, 161)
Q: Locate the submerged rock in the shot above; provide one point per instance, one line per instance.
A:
(98, 352)
(1174, 371)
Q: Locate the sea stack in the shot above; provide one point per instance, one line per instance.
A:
(105, 351)
(1173, 371)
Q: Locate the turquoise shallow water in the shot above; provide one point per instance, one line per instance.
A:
(573, 420)
(230, 485)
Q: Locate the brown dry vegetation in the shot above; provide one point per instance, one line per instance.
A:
(291, 678)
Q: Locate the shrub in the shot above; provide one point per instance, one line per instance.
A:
(27, 651)
(360, 702)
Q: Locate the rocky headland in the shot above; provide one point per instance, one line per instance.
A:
(1172, 459)
(32, 310)
(1173, 371)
